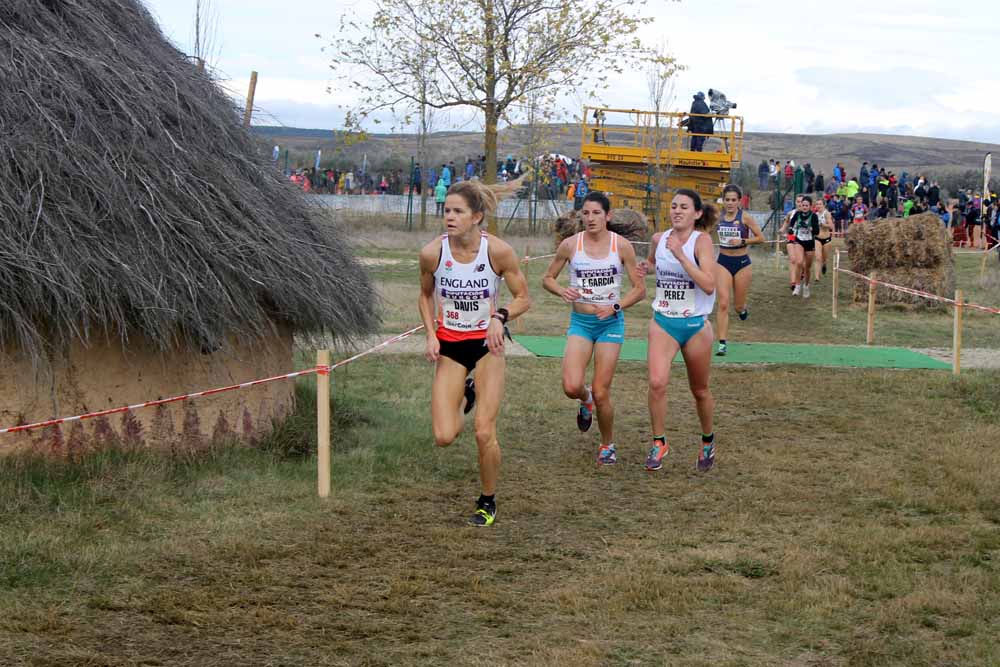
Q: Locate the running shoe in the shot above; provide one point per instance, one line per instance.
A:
(805, 291)
(484, 515)
(656, 455)
(744, 314)
(585, 414)
(607, 455)
(796, 289)
(707, 458)
(722, 350)
(470, 395)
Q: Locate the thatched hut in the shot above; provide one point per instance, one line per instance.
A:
(148, 249)
(912, 252)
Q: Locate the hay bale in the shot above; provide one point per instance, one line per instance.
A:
(912, 252)
(919, 241)
(626, 222)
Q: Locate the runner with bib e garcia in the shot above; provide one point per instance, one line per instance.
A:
(460, 275)
(683, 259)
(802, 229)
(736, 230)
(597, 259)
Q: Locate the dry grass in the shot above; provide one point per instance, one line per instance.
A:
(861, 529)
(853, 520)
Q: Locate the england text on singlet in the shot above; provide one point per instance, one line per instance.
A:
(466, 294)
(677, 294)
(599, 281)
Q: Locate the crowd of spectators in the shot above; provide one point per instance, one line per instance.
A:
(876, 193)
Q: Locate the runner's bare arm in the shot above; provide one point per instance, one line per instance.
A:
(649, 263)
(758, 236)
(638, 292)
(508, 266)
(563, 255)
(429, 256)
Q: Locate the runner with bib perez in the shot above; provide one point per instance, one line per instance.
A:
(737, 230)
(460, 274)
(597, 260)
(801, 228)
(683, 259)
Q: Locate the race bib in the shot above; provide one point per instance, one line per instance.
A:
(599, 285)
(804, 234)
(730, 235)
(466, 311)
(675, 298)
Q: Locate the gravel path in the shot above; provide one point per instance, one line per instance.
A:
(972, 357)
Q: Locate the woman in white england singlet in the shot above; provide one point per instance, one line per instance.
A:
(597, 259)
(684, 261)
(460, 273)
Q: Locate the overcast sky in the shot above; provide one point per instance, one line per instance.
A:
(920, 67)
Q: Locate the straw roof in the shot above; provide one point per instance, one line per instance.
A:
(133, 201)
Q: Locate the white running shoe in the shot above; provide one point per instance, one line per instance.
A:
(797, 290)
(805, 291)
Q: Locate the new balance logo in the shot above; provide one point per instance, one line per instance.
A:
(480, 268)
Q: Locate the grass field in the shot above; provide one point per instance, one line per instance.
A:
(853, 519)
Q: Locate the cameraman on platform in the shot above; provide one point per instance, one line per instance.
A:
(699, 125)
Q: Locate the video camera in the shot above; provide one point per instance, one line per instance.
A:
(717, 102)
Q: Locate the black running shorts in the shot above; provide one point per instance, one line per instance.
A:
(466, 352)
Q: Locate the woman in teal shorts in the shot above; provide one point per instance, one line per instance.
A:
(597, 258)
(684, 261)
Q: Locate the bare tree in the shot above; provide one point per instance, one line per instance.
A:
(660, 80)
(486, 54)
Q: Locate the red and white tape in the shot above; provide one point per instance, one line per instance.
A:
(320, 370)
(916, 292)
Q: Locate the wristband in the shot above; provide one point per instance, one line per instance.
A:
(617, 307)
(501, 315)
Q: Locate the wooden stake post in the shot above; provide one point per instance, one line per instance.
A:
(250, 93)
(956, 353)
(836, 281)
(323, 423)
(519, 322)
(870, 335)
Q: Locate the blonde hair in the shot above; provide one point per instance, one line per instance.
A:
(480, 197)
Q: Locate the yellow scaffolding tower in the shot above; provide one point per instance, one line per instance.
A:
(639, 157)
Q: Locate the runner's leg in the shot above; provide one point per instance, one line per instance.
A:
(662, 349)
(490, 379)
(605, 362)
(698, 359)
(447, 393)
(724, 287)
(576, 358)
(741, 288)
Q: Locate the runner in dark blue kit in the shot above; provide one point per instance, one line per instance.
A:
(736, 230)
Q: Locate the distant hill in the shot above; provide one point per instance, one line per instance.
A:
(899, 153)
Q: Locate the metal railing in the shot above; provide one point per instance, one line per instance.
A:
(664, 133)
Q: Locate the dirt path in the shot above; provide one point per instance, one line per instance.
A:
(973, 357)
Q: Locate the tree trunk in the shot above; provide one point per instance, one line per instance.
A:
(490, 108)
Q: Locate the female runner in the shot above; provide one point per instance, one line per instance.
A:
(684, 261)
(460, 275)
(824, 237)
(597, 259)
(802, 228)
(737, 230)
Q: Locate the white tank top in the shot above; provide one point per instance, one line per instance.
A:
(599, 281)
(466, 293)
(677, 295)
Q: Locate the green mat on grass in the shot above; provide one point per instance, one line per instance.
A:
(857, 356)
